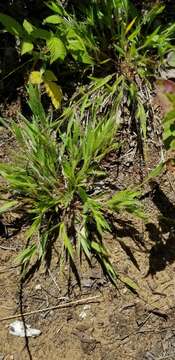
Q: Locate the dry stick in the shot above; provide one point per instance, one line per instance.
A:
(2, 271)
(166, 356)
(8, 248)
(61, 306)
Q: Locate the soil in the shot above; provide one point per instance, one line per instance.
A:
(118, 323)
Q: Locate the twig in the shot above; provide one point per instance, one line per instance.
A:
(145, 320)
(61, 306)
(166, 356)
(8, 248)
(154, 330)
(9, 269)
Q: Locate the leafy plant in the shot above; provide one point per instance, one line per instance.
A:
(124, 45)
(52, 180)
(108, 36)
(47, 46)
(33, 40)
(48, 79)
(133, 45)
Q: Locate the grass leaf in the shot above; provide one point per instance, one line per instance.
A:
(7, 206)
(64, 237)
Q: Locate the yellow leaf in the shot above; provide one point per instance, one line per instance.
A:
(130, 25)
(35, 77)
(54, 91)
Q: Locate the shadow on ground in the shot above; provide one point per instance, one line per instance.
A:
(163, 251)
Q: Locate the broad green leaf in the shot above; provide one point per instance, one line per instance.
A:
(26, 47)
(53, 19)
(77, 46)
(39, 33)
(56, 48)
(28, 26)
(34, 32)
(58, 8)
(86, 58)
(11, 25)
(49, 76)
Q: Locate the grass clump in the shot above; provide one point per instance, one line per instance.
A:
(115, 49)
(125, 43)
(51, 180)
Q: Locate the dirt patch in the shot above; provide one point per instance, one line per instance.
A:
(136, 327)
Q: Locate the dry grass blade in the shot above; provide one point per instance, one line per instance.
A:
(93, 299)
